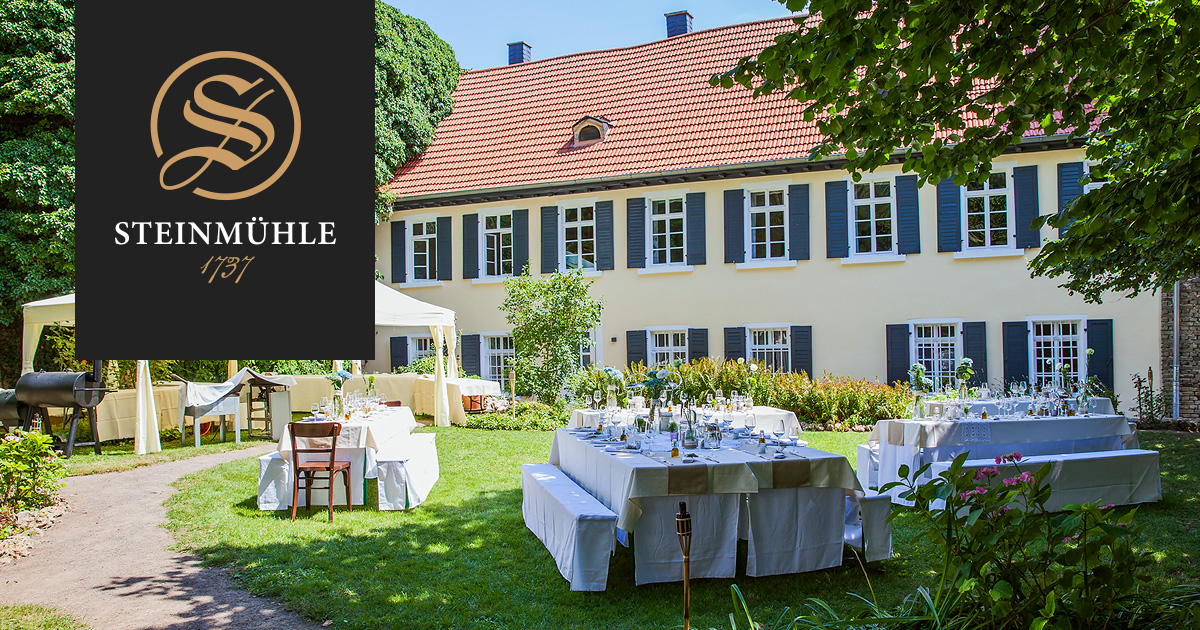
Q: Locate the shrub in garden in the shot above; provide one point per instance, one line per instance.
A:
(424, 365)
(30, 472)
(523, 416)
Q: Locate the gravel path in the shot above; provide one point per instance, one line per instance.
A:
(107, 561)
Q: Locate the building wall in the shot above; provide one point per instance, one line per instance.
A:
(847, 305)
(1189, 346)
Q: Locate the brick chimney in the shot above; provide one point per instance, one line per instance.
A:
(679, 23)
(518, 52)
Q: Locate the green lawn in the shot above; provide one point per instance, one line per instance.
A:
(464, 559)
(115, 457)
(28, 617)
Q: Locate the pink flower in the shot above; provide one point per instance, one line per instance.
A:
(11, 438)
(1011, 481)
(1016, 457)
(1026, 477)
(1071, 538)
(999, 460)
(987, 471)
(1109, 506)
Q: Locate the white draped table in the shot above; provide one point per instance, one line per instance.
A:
(795, 508)
(766, 418)
(1101, 406)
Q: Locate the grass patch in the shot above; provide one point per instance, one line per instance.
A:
(464, 559)
(120, 456)
(30, 617)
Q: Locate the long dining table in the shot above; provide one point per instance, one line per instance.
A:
(790, 505)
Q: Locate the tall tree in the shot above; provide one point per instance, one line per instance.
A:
(37, 161)
(415, 76)
(951, 84)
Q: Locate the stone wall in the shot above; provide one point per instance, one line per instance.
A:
(1189, 347)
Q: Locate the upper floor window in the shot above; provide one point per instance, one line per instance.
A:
(423, 245)
(988, 209)
(768, 227)
(874, 227)
(667, 345)
(579, 238)
(1057, 346)
(666, 231)
(498, 352)
(590, 130)
(498, 244)
(771, 346)
(936, 346)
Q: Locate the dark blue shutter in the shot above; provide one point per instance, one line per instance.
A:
(470, 246)
(549, 239)
(694, 225)
(399, 252)
(697, 342)
(908, 217)
(470, 354)
(1069, 174)
(1025, 196)
(837, 234)
(635, 346)
(1016, 352)
(445, 253)
(605, 259)
(975, 348)
(949, 216)
(802, 359)
(399, 351)
(798, 222)
(520, 223)
(896, 342)
(635, 223)
(735, 343)
(735, 239)
(1100, 340)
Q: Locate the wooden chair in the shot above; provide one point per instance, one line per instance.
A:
(309, 470)
(393, 403)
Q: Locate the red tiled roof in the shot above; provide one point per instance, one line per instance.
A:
(511, 125)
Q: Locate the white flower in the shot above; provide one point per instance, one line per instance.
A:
(753, 367)
(741, 359)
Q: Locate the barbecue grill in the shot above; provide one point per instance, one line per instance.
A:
(77, 392)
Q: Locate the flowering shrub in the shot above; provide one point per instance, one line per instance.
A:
(30, 472)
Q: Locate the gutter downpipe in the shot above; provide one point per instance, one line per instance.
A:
(1175, 355)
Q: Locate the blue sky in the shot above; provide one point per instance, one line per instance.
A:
(480, 31)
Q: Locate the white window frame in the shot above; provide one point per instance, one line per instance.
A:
(483, 249)
(486, 353)
(563, 206)
(1087, 171)
(1009, 249)
(852, 218)
(413, 352)
(786, 327)
(652, 347)
(410, 251)
(665, 195)
(958, 344)
(748, 229)
(596, 351)
(1031, 322)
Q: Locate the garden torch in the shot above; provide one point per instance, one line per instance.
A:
(683, 527)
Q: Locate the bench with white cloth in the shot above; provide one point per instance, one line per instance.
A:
(867, 526)
(407, 471)
(577, 530)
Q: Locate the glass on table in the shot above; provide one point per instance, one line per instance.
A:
(751, 423)
(313, 409)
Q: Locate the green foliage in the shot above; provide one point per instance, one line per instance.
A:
(584, 382)
(424, 365)
(917, 78)
(288, 366)
(30, 472)
(1152, 406)
(524, 416)
(551, 317)
(415, 76)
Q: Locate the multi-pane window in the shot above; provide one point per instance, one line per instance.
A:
(988, 216)
(1055, 344)
(666, 346)
(497, 356)
(874, 215)
(421, 347)
(935, 346)
(767, 228)
(770, 345)
(579, 238)
(589, 351)
(424, 250)
(666, 231)
(498, 245)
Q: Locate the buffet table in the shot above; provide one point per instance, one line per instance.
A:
(412, 390)
(1101, 406)
(766, 418)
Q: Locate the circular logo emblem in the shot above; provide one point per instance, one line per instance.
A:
(226, 126)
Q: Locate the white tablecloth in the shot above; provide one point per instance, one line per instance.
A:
(766, 418)
(645, 493)
(1101, 406)
(456, 388)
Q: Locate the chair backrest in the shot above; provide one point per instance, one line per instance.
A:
(308, 430)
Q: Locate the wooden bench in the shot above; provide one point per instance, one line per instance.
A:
(575, 527)
(1118, 477)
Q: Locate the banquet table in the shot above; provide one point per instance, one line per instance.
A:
(1099, 405)
(793, 507)
(456, 388)
(360, 442)
(766, 418)
(914, 443)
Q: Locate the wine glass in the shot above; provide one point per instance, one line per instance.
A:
(751, 423)
(709, 397)
(779, 429)
(596, 398)
(313, 409)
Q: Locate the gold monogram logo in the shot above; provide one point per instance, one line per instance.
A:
(233, 135)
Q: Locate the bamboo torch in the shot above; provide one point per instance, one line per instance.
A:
(683, 527)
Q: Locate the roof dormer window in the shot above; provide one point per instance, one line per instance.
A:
(590, 130)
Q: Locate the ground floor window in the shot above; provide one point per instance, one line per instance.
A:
(497, 355)
(589, 353)
(421, 347)
(771, 346)
(935, 346)
(1055, 344)
(668, 345)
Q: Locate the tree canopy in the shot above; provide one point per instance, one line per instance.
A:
(950, 85)
(415, 76)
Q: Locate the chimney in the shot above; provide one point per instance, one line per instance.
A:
(679, 23)
(518, 52)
